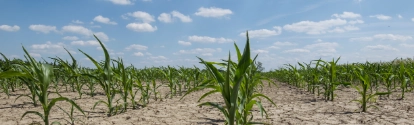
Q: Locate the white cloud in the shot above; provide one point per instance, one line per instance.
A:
(147, 0)
(141, 27)
(122, 2)
(85, 43)
(207, 39)
(202, 51)
(274, 47)
(35, 55)
(207, 54)
(260, 51)
(328, 47)
(318, 49)
(350, 28)
(168, 18)
(77, 21)
(412, 19)
(48, 45)
(261, 33)
(355, 22)
(77, 29)
(9, 28)
(104, 20)
(361, 39)
(96, 26)
(138, 54)
(297, 51)
(379, 48)
(337, 30)
(399, 16)
(213, 12)
(184, 43)
(165, 17)
(347, 15)
(407, 45)
(392, 37)
(136, 47)
(344, 29)
(158, 58)
(319, 40)
(42, 28)
(70, 38)
(102, 36)
(49, 48)
(284, 44)
(311, 27)
(143, 16)
(381, 17)
(181, 16)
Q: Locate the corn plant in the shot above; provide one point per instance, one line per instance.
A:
(172, 80)
(74, 72)
(331, 83)
(104, 77)
(125, 80)
(387, 78)
(42, 75)
(235, 86)
(403, 79)
(365, 83)
(137, 82)
(72, 118)
(9, 83)
(90, 83)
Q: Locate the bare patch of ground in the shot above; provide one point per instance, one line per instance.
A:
(294, 106)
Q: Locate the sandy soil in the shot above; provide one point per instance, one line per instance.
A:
(294, 106)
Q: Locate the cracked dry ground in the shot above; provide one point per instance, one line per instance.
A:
(294, 106)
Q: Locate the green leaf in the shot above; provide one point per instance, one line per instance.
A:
(219, 107)
(382, 93)
(208, 93)
(33, 112)
(10, 74)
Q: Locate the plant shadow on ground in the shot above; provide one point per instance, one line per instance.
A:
(212, 121)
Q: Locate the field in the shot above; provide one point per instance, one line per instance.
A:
(228, 92)
(294, 106)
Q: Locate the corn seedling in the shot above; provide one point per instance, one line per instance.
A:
(236, 85)
(72, 118)
(365, 83)
(42, 75)
(104, 77)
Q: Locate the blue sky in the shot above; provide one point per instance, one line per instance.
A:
(173, 32)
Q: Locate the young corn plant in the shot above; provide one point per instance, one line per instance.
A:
(42, 75)
(10, 82)
(331, 83)
(90, 83)
(403, 79)
(125, 78)
(104, 77)
(72, 118)
(234, 85)
(136, 80)
(387, 78)
(172, 80)
(365, 83)
(74, 72)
